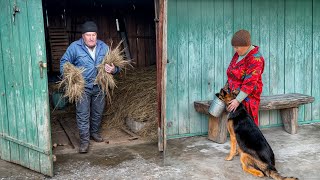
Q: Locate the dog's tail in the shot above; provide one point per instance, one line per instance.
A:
(273, 173)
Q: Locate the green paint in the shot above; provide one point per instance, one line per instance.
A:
(200, 31)
(25, 116)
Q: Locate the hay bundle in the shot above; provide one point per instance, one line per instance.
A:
(106, 80)
(72, 82)
(135, 98)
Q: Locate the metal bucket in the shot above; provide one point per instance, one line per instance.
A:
(217, 106)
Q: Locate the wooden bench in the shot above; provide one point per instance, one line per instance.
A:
(288, 105)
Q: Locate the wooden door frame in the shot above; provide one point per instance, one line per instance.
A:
(161, 59)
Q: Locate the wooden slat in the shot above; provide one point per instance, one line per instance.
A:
(316, 60)
(182, 66)
(207, 63)
(10, 58)
(38, 53)
(282, 101)
(172, 83)
(194, 77)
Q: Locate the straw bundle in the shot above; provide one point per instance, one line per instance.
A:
(106, 80)
(135, 98)
(72, 82)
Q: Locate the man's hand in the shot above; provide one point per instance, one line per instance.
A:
(109, 68)
(233, 104)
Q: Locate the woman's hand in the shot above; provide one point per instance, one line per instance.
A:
(233, 104)
(109, 68)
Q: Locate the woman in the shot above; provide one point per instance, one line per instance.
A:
(244, 74)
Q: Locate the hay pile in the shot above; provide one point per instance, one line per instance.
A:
(72, 82)
(135, 98)
(105, 80)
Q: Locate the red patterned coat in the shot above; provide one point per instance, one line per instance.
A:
(245, 75)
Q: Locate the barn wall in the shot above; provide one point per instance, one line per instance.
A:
(139, 23)
(199, 52)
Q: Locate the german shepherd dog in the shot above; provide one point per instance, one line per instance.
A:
(256, 155)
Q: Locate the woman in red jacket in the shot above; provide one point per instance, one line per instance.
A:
(244, 74)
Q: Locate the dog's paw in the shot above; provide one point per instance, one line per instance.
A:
(229, 158)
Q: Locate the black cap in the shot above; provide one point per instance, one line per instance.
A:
(89, 26)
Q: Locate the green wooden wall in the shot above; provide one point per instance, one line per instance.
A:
(199, 52)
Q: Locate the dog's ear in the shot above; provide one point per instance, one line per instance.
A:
(235, 92)
(223, 92)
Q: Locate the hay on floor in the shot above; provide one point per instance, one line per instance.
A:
(135, 98)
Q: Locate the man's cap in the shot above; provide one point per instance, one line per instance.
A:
(89, 26)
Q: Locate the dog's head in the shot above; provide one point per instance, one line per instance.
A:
(227, 96)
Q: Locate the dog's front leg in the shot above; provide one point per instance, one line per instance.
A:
(233, 141)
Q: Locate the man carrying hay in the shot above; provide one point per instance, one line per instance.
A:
(87, 54)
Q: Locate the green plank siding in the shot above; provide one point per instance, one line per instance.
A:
(24, 115)
(316, 60)
(172, 75)
(194, 79)
(287, 32)
(207, 73)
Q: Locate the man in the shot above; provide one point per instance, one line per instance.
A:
(88, 52)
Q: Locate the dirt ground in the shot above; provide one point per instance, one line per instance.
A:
(187, 158)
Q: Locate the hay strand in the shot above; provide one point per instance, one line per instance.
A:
(72, 82)
(106, 80)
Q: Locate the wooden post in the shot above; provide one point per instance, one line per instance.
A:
(217, 130)
(289, 118)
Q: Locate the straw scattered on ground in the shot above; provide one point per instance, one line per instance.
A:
(135, 98)
(72, 82)
(106, 80)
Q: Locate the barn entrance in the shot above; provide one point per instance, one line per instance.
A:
(132, 116)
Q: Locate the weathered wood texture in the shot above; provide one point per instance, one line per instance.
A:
(138, 23)
(217, 128)
(25, 135)
(289, 118)
(280, 101)
(287, 104)
(199, 52)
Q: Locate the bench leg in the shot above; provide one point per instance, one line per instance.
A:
(290, 119)
(217, 130)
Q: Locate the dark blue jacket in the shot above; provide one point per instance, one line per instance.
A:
(78, 55)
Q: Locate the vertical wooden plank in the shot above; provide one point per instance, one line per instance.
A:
(38, 53)
(316, 62)
(307, 88)
(299, 52)
(290, 35)
(274, 61)
(218, 42)
(5, 50)
(30, 135)
(172, 74)
(195, 58)
(264, 50)
(183, 13)
(280, 52)
(207, 47)
(247, 16)
(255, 37)
(238, 15)
(228, 33)
(11, 83)
(19, 44)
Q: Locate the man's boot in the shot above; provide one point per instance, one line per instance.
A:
(96, 137)
(84, 147)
